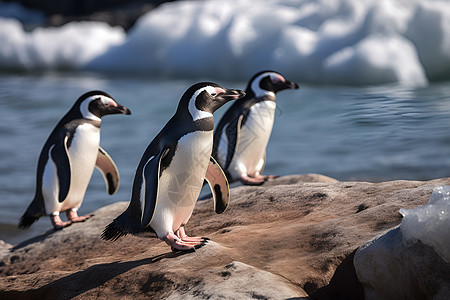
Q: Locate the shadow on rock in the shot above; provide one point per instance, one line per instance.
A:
(343, 285)
(80, 282)
(35, 239)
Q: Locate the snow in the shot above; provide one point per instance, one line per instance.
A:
(67, 47)
(356, 42)
(430, 223)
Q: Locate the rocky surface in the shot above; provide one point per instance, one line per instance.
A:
(293, 237)
(5, 248)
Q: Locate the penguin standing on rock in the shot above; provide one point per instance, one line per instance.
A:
(241, 137)
(171, 172)
(68, 158)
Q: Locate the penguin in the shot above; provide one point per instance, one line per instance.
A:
(172, 170)
(241, 137)
(67, 161)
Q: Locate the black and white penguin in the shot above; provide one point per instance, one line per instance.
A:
(241, 137)
(68, 158)
(171, 172)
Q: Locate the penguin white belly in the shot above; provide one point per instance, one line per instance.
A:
(83, 152)
(249, 153)
(181, 182)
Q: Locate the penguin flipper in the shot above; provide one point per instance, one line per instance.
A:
(150, 181)
(60, 156)
(233, 134)
(109, 170)
(219, 186)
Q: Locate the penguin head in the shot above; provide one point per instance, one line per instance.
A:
(204, 98)
(268, 83)
(96, 104)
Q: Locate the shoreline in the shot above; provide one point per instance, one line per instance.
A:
(32, 232)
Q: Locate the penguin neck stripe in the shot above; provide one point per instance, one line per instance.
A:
(84, 106)
(196, 113)
(85, 112)
(259, 92)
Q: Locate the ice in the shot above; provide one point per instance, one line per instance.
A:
(430, 223)
(375, 60)
(66, 47)
(429, 30)
(356, 42)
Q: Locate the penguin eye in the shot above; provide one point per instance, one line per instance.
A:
(213, 94)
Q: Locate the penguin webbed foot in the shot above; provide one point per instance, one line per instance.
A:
(257, 179)
(73, 216)
(58, 224)
(186, 243)
(188, 250)
(247, 180)
(181, 234)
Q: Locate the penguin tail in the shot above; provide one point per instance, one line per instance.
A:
(113, 231)
(27, 220)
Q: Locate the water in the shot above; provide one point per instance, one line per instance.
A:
(350, 133)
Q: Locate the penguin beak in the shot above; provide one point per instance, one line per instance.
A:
(285, 85)
(291, 85)
(119, 109)
(125, 110)
(228, 95)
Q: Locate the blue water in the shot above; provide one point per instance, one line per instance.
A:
(350, 133)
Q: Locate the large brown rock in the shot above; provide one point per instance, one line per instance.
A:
(287, 239)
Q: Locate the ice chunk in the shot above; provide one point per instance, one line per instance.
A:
(344, 42)
(376, 60)
(341, 41)
(67, 47)
(430, 223)
(430, 32)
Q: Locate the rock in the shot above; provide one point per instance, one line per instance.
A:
(293, 179)
(240, 281)
(286, 239)
(389, 268)
(5, 248)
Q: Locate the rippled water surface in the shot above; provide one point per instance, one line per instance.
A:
(374, 133)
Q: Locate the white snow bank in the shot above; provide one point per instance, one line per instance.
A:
(339, 41)
(429, 29)
(430, 223)
(66, 47)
